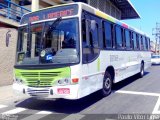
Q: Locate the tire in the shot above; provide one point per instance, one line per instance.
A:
(107, 84)
(141, 74)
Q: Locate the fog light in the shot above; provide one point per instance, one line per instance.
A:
(59, 82)
(66, 81)
(51, 92)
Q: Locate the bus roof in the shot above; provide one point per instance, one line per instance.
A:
(109, 18)
(94, 11)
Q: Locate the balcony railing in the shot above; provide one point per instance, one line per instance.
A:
(12, 10)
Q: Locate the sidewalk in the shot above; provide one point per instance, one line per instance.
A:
(7, 95)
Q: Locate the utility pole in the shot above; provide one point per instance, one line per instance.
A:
(156, 33)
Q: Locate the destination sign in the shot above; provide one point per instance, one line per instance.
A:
(55, 12)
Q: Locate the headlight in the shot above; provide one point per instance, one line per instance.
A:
(19, 81)
(65, 81)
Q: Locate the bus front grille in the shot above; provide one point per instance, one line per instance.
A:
(39, 79)
(39, 82)
(39, 74)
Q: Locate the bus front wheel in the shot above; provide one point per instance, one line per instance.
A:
(107, 84)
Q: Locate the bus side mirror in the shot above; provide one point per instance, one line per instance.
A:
(93, 25)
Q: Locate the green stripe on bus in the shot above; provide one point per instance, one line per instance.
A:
(98, 64)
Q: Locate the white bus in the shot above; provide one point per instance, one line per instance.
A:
(72, 50)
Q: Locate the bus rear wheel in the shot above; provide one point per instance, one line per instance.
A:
(107, 84)
(141, 74)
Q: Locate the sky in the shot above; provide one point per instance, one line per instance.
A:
(149, 11)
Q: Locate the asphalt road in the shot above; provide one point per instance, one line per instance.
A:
(133, 96)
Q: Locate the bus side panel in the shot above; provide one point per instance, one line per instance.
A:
(125, 63)
(91, 78)
(129, 63)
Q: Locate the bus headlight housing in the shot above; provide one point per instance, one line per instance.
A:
(68, 81)
(19, 81)
(65, 81)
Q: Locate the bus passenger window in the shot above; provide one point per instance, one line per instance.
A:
(107, 35)
(140, 42)
(84, 39)
(127, 39)
(134, 41)
(137, 39)
(142, 47)
(146, 43)
(118, 37)
(131, 42)
(149, 44)
(123, 41)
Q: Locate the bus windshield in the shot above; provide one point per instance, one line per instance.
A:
(52, 42)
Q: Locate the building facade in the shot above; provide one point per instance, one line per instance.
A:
(10, 15)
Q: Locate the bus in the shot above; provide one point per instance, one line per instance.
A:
(72, 50)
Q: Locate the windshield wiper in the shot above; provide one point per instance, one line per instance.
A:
(53, 25)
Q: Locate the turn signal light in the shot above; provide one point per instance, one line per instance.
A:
(75, 80)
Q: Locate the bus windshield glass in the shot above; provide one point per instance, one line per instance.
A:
(52, 42)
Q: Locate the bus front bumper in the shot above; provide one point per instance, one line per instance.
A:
(66, 92)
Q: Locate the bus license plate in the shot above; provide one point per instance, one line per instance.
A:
(63, 91)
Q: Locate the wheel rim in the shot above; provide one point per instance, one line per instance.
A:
(107, 83)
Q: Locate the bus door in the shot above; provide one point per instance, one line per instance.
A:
(90, 51)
